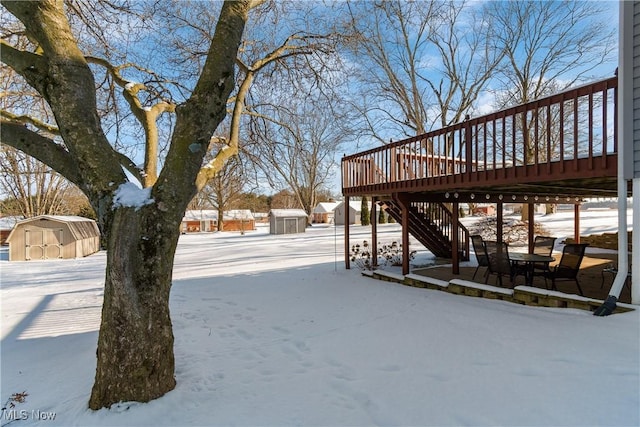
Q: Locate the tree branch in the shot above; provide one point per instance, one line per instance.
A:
(64, 79)
(24, 120)
(198, 117)
(39, 147)
(31, 66)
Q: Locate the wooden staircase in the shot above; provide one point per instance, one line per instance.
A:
(431, 224)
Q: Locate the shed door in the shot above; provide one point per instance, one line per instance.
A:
(290, 225)
(43, 243)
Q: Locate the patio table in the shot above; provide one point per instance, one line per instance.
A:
(517, 258)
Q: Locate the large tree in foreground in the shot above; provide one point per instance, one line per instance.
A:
(135, 344)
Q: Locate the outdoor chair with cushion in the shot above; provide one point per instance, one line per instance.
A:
(568, 267)
(499, 263)
(481, 254)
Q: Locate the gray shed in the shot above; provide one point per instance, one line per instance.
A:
(53, 237)
(287, 221)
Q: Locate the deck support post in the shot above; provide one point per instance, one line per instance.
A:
(531, 229)
(576, 222)
(403, 201)
(347, 252)
(374, 232)
(455, 251)
(499, 221)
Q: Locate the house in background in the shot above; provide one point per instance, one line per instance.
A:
(261, 217)
(238, 220)
(6, 225)
(287, 221)
(323, 213)
(484, 209)
(198, 220)
(355, 209)
(206, 221)
(53, 237)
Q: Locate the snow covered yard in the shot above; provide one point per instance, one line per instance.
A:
(272, 330)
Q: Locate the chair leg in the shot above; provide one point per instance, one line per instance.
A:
(579, 288)
(475, 272)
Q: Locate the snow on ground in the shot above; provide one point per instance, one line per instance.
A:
(273, 331)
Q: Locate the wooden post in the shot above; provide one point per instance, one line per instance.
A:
(347, 250)
(394, 165)
(530, 220)
(499, 221)
(455, 252)
(468, 149)
(404, 222)
(576, 222)
(374, 232)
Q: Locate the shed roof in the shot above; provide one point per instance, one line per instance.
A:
(279, 213)
(79, 226)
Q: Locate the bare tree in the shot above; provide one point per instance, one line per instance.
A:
(467, 59)
(424, 63)
(226, 188)
(390, 40)
(285, 199)
(35, 188)
(549, 46)
(141, 226)
(304, 140)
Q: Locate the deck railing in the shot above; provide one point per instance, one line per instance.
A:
(576, 124)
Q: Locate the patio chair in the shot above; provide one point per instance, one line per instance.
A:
(568, 267)
(613, 270)
(542, 245)
(499, 263)
(481, 254)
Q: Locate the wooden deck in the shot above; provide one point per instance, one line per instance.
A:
(559, 149)
(562, 146)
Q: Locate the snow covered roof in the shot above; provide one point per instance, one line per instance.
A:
(200, 215)
(325, 207)
(212, 215)
(59, 218)
(79, 226)
(355, 205)
(238, 214)
(288, 213)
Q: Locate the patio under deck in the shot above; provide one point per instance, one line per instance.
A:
(558, 149)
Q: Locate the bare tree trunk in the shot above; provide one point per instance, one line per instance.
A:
(220, 219)
(135, 344)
